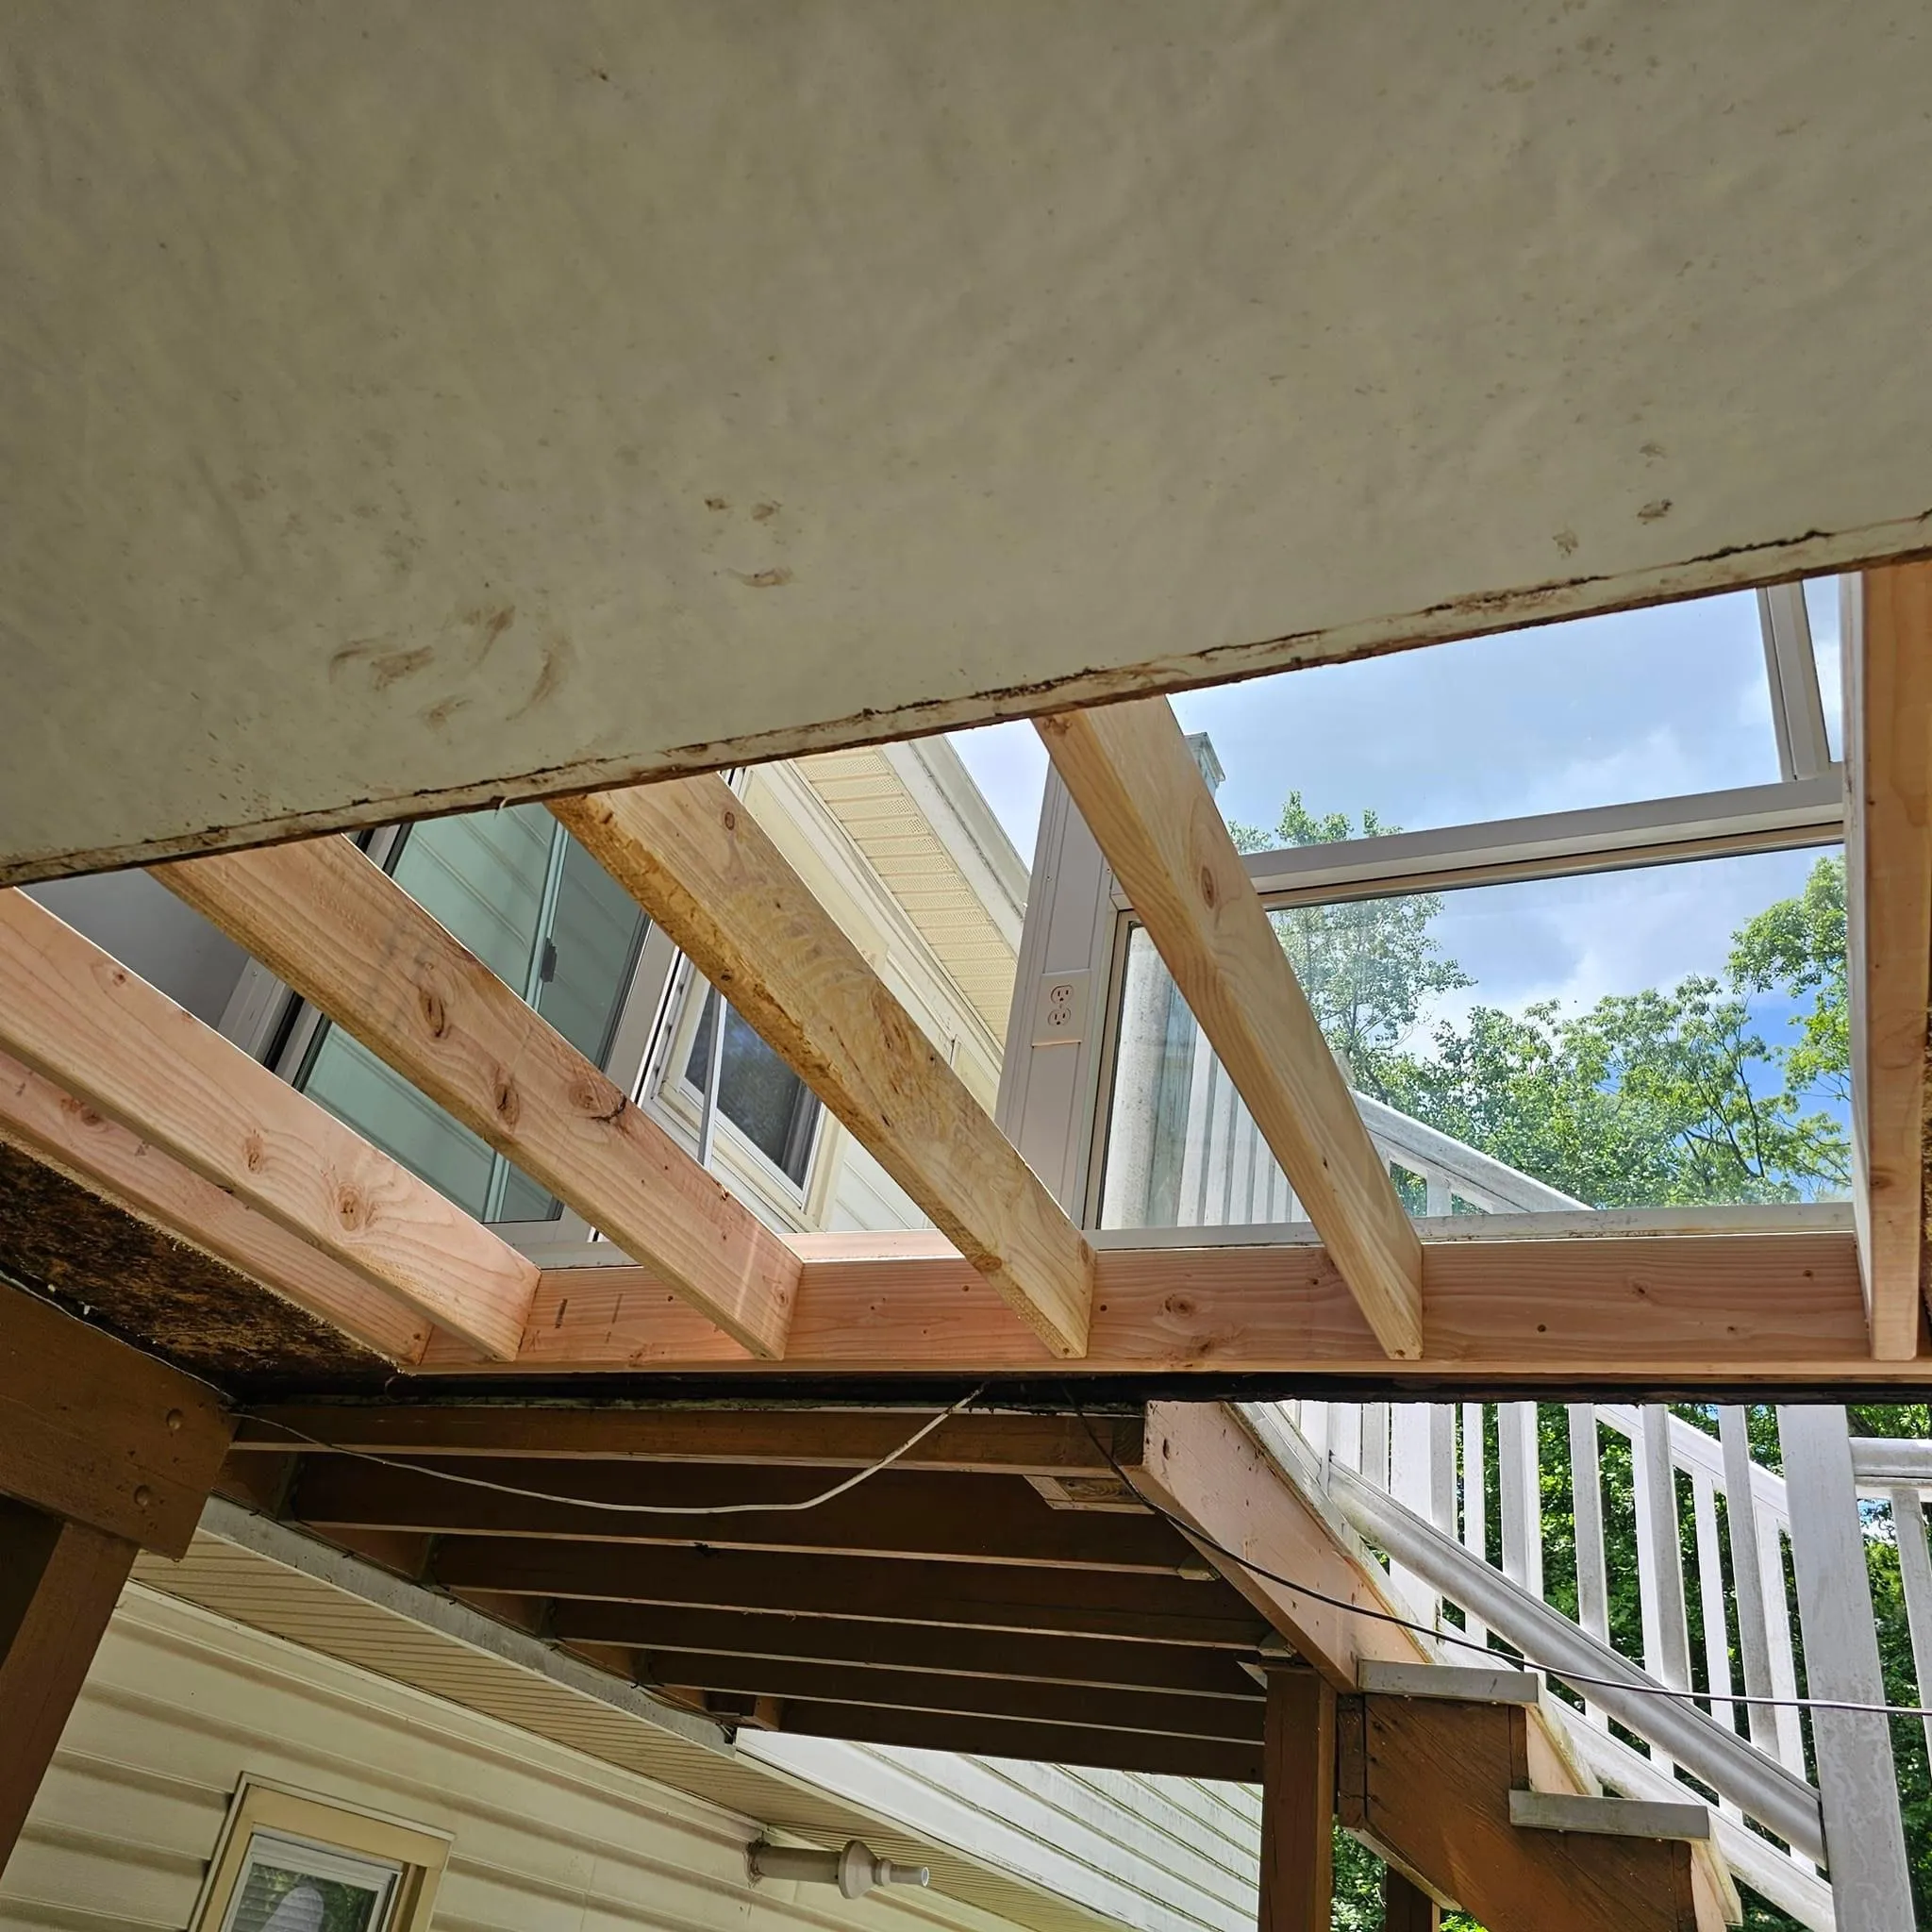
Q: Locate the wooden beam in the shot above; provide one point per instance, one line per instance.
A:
(1144, 1712)
(1049, 1743)
(58, 1584)
(1097, 1664)
(1009, 1597)
(100, 1153)
(971, 1519)
(82, 1021)
(342, 932)
(1137, 787)
(1202, 1466)
(969, 1443)
(1889, 930)
(694, 858)
(94, 1431)
(1298, 1803)
(1669, 1312)
(1427, 1783)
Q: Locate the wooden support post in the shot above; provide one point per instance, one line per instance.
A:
(1407, 1908)
(1889, 936)
(1298, 1803)
(103, 1453)
(58, 1584)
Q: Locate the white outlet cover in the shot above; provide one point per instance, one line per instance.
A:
(1059, 1010)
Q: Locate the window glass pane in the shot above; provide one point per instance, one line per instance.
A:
(542, 915)
(1821, 614)
(1604, 710)
(1644, 1039)
(758, 1093)
(290, 1888)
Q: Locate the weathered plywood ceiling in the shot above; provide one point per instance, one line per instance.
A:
(408, 408)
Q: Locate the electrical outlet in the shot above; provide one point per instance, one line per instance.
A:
(1059, 1010)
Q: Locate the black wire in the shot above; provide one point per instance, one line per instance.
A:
(1527, 1663)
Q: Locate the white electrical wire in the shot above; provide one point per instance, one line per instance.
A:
(479, 1482)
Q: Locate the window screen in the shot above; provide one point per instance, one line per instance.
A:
(289, 1886)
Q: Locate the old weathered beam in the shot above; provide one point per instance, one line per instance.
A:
(820, 1437)
(977, 1519)
(694, 858)
(1137, 787)
(94, 1431)
(84, 1022)
(1020, 1599)
(1097, 1663)
(348, 939)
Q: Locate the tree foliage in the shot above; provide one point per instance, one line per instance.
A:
(1723, 1088)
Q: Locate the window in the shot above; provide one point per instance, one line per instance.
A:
(549, 922)
(758, 1093)
(1666, 1037)
(286, 1862)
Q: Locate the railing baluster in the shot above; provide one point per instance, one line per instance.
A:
(1475, 1499)
(1659, 1553)
(1345, 1433)
(1748, 1577)
(1587, 1513)
(1710, 1600)
(1915, 1573)
(1411, 1483)
(1520, 1494)
(1858, 1784)
(1375, 1443)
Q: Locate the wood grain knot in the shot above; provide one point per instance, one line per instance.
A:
(435, 1016)
(505, 1099)
(351, 1210)
(253, 1153)
(1208, 891)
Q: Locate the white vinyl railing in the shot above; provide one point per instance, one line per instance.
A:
(1767, 1568)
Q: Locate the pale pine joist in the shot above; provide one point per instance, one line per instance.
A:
(1130, 771)
(81, 1020)
(694, 858)
(336, 927)
(1645, 1312)
(1889, 895)
(71, 1136)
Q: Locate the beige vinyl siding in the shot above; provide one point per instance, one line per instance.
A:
(180, 1703)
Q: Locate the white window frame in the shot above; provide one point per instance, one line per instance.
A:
(1056, 1088)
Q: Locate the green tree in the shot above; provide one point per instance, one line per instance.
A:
(1369, 966)
(1797, 948)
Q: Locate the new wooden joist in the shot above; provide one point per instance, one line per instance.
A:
(1889, 933)
(692, 856)
(105, 1038)
(1137, 785)
(336, 927)
(1638, 1310)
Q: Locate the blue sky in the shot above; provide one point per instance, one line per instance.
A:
(1639, 705)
